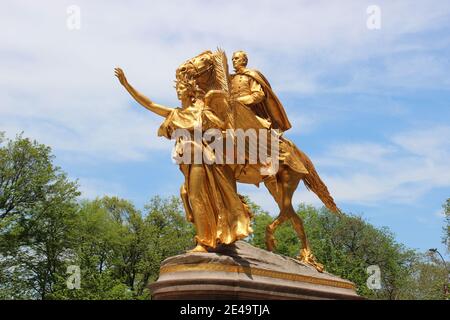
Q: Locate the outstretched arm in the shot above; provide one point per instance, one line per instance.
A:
(140, 98)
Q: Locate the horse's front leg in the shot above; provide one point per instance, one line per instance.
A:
(274, 188)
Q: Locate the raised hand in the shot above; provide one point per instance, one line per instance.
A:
(140, 98)
(121, 76)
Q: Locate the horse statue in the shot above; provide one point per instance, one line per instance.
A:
(210, 72)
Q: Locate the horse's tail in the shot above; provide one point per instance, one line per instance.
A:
(313, 183)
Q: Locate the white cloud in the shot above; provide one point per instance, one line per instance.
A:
(402, 170)
(413, 163)
(368, 153)
(439, 214)
(433, 143)
(92, 188)
(58, 85)
(304, 123)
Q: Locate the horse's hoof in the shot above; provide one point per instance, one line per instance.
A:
(307, 257)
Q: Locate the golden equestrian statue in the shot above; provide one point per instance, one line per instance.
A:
(213, 100)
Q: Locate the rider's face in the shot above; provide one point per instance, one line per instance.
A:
(238, 60)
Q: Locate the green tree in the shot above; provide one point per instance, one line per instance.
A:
(26, 172)
(426, 281)
(346, 246)
(171, 234)
(260, 220)
(101, 238)
(37, 210)
(119, 251)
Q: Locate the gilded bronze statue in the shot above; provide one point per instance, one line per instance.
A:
(212, 99)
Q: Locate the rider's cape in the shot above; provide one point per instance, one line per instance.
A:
(271, 102)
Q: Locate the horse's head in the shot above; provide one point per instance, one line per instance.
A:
(200, 68)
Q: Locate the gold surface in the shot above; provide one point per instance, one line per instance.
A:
(209, 95)
(214, 267)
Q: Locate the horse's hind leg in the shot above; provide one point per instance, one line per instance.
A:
(290, 181)
(274, 186)
(281, 188)
(270, 229)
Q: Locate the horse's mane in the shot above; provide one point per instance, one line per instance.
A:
(217, 77)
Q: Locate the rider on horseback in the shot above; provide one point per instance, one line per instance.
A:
(251, 88)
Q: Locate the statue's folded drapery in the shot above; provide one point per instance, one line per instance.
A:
(212, 203)
(288, 154)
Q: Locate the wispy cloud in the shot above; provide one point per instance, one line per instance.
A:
(58, 84)
(402, 170)
(367, 103)
(92, 188)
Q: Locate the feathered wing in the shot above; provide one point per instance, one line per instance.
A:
(222, 78)
(221, 71)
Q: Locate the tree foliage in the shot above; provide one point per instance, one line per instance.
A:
(119, 250)
(45, 228)
(348, 245)
(426, 281)
(37, 208)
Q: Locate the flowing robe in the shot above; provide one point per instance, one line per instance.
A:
(209, 193)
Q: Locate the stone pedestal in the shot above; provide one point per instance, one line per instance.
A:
(241, 271)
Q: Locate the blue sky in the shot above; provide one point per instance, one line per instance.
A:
(370, 107)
